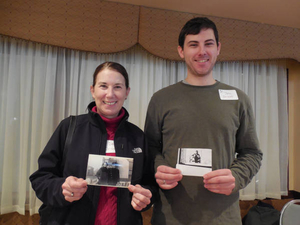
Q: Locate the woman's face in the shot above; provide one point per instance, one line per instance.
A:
(109, 92)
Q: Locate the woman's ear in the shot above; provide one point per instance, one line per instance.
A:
(92, 91)
(127, 92)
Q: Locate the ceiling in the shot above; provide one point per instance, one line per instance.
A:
(275, 12)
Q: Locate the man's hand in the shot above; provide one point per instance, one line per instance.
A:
(141, 197)
(167, 177)
(219, 181)
(74, 188)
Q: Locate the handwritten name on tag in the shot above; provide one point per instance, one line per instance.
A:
(228, 94)
(110, 147)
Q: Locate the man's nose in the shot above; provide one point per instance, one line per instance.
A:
(201, 50)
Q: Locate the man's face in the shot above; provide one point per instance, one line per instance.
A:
(200, 53)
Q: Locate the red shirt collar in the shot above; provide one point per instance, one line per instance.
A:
(111, 120)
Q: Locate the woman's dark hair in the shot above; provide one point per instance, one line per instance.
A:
(194, 26)
(112, 66)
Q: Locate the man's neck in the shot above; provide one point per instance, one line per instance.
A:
(200, 81)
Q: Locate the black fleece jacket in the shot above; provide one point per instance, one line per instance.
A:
(89, 137)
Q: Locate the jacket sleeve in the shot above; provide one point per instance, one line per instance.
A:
(249, 156)
(48, 179)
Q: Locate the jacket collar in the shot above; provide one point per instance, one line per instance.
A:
(96, 120)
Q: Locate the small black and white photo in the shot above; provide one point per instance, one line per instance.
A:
(194, 161)
(109, 171)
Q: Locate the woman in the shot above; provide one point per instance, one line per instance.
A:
(59, 182)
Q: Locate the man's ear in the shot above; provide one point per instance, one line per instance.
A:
(219, 48)
(180, 52)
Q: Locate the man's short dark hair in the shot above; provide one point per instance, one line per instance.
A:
(194, 26)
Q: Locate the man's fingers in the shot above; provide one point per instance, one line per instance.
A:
(221, 188)
(167, 169)
(220, 180)
(166, 184)
(169, 177)
(168, 173)
(216, 173)
(220, 185)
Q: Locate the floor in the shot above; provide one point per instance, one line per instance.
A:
(17, 219)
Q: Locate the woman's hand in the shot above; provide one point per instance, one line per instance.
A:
(141, 197)
(74, 188)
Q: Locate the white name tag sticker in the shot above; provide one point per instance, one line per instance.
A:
(228, 94)
(110, 147)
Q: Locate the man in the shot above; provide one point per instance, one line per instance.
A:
(201, 113)
(196, 157)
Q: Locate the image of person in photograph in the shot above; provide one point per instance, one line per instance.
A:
(196, 158)
(60, 181)
(109, 173)
(204, 113)
(102, 174)
(113, 173)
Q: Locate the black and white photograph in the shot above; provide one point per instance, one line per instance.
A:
(194, 161)
(109, 171)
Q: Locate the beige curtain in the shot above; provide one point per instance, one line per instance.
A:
(41, 84)
(109, 27)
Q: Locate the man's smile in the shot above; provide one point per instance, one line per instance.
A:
(202, 60)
